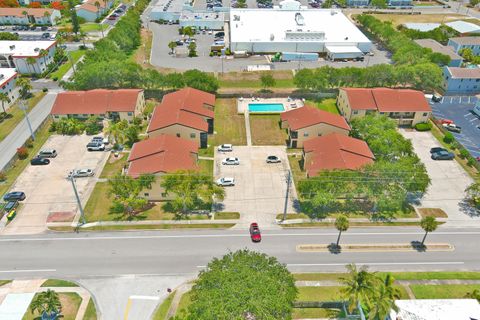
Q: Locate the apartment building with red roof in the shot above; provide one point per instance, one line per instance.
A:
(335, 152)
(407, 107)
(308, 122)
(187, 113)
(161, 155)
(121, 104)
(16, 16)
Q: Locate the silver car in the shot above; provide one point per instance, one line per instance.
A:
(231, 161)
(80, 173)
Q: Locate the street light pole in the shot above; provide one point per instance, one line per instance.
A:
(289, 180)
(24, 109)
(71, 62)
(74, 185)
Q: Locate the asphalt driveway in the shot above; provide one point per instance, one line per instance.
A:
(260, 188)
(448, 180)
(47, 188)
(459, 109)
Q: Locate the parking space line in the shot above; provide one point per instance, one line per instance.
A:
(468, 114)
(441, 101)
(451, 99)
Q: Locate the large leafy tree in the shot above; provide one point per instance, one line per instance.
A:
(191, 190)
(243, 285)
(126, 193)
(46, 302)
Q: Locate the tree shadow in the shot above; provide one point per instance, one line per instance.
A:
(418, 246)
(468, 208)
(334, 249)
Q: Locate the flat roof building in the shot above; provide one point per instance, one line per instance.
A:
(461, 80)
(14, 54)
(436, 309)
(424, 27)
(464, 27)
(460, 43)
(455, 59)
(294, 30)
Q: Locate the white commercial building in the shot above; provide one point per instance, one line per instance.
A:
(294, 28)
(8, 79)
(16, 54)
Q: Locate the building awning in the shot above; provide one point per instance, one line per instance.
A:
(343, 49)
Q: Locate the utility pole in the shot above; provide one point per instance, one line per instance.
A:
(74, 185)
(24, 109)
(289, 181)
(71, 62)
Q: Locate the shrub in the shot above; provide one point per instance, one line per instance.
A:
(464, 154)
(45, 89)
(423, 126)
(3, 176)
(29, 143)
(92, 126)
(448, 138)
(211, 54)
(22, 153)
(471, 161)
(53, 127)
(55, 78)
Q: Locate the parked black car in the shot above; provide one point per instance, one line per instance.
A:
(14, 196)
(37, 161)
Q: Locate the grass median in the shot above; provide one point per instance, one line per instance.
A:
(162, 310)
(62, 69)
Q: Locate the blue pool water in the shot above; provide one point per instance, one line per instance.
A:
(265, 107)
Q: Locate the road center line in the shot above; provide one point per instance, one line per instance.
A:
(24, 271)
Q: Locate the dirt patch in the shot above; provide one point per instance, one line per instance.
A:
(432, 212)
(61, 216)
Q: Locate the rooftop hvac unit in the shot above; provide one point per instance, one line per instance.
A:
(2, 76)
(272, 37)
(36, 49)
(299, 19)
(333, 13)
(236, 17)
(12, 47)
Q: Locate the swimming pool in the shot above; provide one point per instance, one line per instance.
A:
(265, 107)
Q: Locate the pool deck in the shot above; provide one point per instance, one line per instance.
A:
(288, 104)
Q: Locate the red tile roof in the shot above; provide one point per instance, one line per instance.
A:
(17, 12)
(185, 107)
(336, 152)
(387, 100)
(308, 116)
(164, 153)
(98, 101)
(89, 5)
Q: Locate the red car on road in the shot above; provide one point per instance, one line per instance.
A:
(445, 121)
(255, 234)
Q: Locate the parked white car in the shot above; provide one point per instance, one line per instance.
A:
(273, 159)
(80, 173)
(226, 182)
(231, 161)
(225, 147)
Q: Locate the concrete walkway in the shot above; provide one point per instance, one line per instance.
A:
(69, 73)
(140, 223)
(176, 299)
(247, 128)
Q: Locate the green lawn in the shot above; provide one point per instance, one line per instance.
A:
(229, 126)
(442, 291)
(295, 166)
(19, 165)
(70, 303)
(227, 215)
(92, 27)
(206, 166)
(58, 283)
(329, 105)
(266, 130)
(162, 310)
(185, 301)
(397, 275)
(62, 69)
(319, 294)
(114, 165)
(314, 313)
(16, 114)
(91, 312)
(4, 282)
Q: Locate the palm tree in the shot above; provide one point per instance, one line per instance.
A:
(97, 5)
(25, 87)
(4, 98)
(31, 62)
(25, 13)
(46, 302)
(358, 286)
(428, 224)
(341, 223)
(43, 53)
(384, 299)
(172, 45)
(116, 130)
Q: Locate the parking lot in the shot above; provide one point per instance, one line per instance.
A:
(459, 109)
(260, 187)
(448, 179)
(47, 188)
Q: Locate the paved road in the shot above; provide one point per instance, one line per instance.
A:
(185, 253)
(20, 134)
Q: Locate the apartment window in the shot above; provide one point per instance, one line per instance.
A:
(425, 114)
(355, 112)
(382, 113)
(130, 113)
(56, 117)
(192, 135)
(305, 134)
(85, 115)
(294, 134)
(146, 194)
(178, 135)
(164, 194)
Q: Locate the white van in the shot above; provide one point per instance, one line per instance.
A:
(47, 153)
